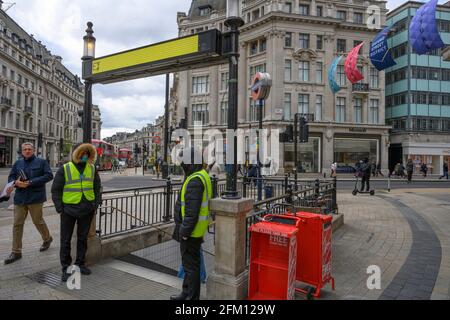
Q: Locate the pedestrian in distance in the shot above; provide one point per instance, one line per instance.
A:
(191, 220)
(76, 193)
(374, 168)
(409, 169)
(445, 175)
(379, 170)
(365, 169)
(424, 169)
(30, 175)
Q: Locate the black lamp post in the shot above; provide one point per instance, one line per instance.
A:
(233, 21)
(88, 54)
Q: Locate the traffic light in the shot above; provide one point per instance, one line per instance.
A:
(289, 133)
(80, 121)
(144, 147)
(303, 130)
(61, 145)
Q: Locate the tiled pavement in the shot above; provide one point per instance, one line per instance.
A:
(378, 230)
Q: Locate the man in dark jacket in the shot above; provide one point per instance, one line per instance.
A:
(30, 175)
(409, 169)
(366, 170)
(190, 244)
(76, 194)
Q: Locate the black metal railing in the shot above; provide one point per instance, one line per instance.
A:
(127, 210)
(130, 209)
(360, 87)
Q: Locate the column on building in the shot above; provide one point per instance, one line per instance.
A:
(275, 54)
(185, 95)
(296, 8)
(313, 8)
(328, 105)
(384, 151)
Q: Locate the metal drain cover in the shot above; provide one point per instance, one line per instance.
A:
(46, 277)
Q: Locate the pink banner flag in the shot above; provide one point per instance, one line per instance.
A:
(350, 67)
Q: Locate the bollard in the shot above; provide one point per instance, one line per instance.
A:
(389, 183)
(334, 196)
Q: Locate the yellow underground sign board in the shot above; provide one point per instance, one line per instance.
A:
(165, 57)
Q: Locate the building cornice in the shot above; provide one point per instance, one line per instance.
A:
(289, 17)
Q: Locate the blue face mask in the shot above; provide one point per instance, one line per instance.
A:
(84, 158)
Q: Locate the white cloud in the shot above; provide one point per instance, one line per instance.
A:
(118, 26)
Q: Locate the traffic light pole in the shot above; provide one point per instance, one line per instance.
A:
(258, 159)
(295, 150)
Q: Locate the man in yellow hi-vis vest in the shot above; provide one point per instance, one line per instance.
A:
(191, 219)
(76, 195)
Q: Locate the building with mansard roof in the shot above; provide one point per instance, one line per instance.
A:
(295, 41)
(39, 98)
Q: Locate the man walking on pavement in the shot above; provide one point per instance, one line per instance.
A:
(192, 219)
(30, 175)
(410, 169)
(366, 170)
(76, 194)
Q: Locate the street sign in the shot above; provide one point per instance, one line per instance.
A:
(157, 140)
(193, 51)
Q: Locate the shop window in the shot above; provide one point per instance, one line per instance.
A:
(308, 156)
(347, 152)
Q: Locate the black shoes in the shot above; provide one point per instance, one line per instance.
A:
(46, 245)
(65, 276)
(179, 297)
(85, 270)
(13, 257)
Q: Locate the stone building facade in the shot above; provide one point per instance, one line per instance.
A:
(295, 42)
(39, 99)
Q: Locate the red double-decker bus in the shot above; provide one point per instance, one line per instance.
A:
(105, 154)
(126, 155)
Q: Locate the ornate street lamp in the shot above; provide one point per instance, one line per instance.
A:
(88, 54)
(233, 21)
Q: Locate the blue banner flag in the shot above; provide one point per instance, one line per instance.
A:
(423, 32)
(331, 72)
(379, 51)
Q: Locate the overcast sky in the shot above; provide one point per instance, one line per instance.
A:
(118, 26)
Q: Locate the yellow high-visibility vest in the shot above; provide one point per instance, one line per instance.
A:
(78, 184)
(203, 218)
